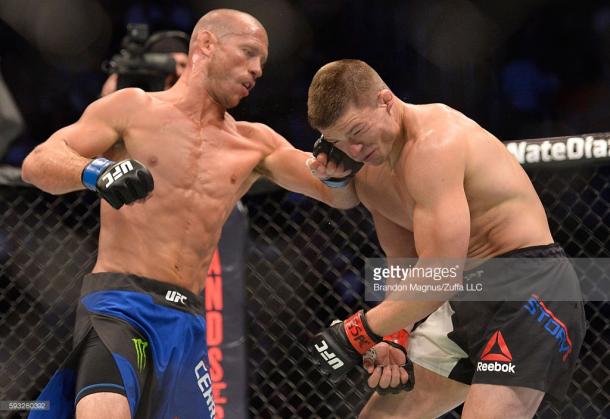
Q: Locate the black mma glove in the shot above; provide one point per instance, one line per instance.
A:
(339, 158)
(118, 183)
(339, 348)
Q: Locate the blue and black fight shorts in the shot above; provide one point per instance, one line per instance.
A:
(141, 338)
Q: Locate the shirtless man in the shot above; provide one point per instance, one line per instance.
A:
(440, 186)
(174, 165)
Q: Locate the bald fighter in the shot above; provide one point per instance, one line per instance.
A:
(169, 167)
(439, 186)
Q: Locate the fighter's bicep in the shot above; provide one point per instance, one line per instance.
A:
(435, 180)
(103, 123)
(89, 139)
(396, 241)
(285, 165)
(441, 226)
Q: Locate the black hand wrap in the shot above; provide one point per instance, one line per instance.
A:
(339, 158)
(408, 366)
(118, 183)
(339, 348)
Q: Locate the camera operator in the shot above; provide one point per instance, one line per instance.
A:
(152, 63)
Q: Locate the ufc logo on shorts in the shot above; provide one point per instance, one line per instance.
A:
(175, 297)
(118, 171)
(329, 357)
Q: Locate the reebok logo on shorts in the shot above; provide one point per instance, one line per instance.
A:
(552, 325)
(497, 356)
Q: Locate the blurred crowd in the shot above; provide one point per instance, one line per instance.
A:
(520, 68)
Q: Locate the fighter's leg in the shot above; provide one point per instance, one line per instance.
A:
(99, 388)
(432, 396)
(490, 401)
(103, 405)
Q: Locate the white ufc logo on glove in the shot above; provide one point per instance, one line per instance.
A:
(329, 357)
(118, 171)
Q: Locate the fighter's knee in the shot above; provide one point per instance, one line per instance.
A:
(496, 401)
(368, 410)
(103, 405)
(379, 407)
(432, 396)
(365, 414)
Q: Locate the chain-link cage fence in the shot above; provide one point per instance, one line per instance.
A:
(304, 268)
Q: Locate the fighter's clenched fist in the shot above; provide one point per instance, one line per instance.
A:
(118, 183)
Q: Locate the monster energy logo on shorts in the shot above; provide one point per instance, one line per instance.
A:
(140, 352)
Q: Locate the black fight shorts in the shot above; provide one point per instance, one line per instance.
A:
(533, 342)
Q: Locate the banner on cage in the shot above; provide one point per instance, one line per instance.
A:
(565, 150)
(225, 319)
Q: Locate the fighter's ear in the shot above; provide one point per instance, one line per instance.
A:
(204, 42)
(385, 98)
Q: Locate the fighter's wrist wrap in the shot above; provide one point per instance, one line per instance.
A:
(339, 158)
(92, 171)
(401, 338)
(339, 348)
(359, 334)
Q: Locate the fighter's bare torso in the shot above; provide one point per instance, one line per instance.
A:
(200, 170)
(505, 211)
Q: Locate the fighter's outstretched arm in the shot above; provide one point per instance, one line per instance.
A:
(56, 165)
(287, 166)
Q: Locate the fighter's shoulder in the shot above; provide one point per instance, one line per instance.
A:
(438, 110)
(438, 142)
(259, 132)
(442, 128)
(122, 102)
(441, 142)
